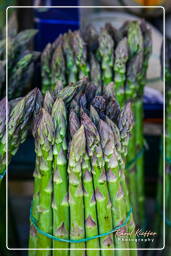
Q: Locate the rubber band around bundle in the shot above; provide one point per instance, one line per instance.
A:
(168, 160)
(134, 160)
(34, 222)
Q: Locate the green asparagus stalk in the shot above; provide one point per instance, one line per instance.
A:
(117, 141)
(133, 73)
(147, 49)
(80, 54)
(91, 225)
(139, 141)
(46, 68)
(58, 67)
(121, 58)
(35, 211)
(135, 46)
(131, 177)
(3, 114)
(70, 91)
(76, 203)
(60, 183)
(37, 181)
(133, 85)
(18, 125)
(125, 124)
(19, 44)
(95, 73)
(48, 102)
(44, 138)
(113, 178)
(100, 185)
(105, 54)
(71, 68)
(135, 38)
(21, 74)
(113, 110)
(90, 36)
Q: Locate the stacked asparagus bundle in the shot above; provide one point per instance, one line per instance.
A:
(19, 113)
(80, 189)
(20, 64)
(114, 61)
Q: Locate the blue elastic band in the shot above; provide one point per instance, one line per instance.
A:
(34, 222)
(2, 174)
(168, 160)
(168, 222)
(134, 160)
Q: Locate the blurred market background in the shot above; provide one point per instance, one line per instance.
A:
(51, 23)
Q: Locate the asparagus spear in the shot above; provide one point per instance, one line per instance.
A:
(95, 73)
(121, 57)
(106, 56)
(19, 118)
(135, 38)
(125, 124)
(44, 136)
(60, 184)
(18, 45)
(70, 91)
(133, 73)
(113, 177)
(48, 102)
(90, 36)
(71, 68)
(46, 68)
(21, 74)
(135, 46)
(35, 203)
(80, 54)
(37, 179)
(147, 49)
(76, 153)
(91, 225)
(2, 132)
(133, 88)
(117, 141)
(100, 185)
(99, 103)
(58, 67)
(113, 110)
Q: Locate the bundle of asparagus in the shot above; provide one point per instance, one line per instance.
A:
(19, 113)
(20, 64)
(115, 61)
(80, 189)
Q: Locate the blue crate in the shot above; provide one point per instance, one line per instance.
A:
(54, 21)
